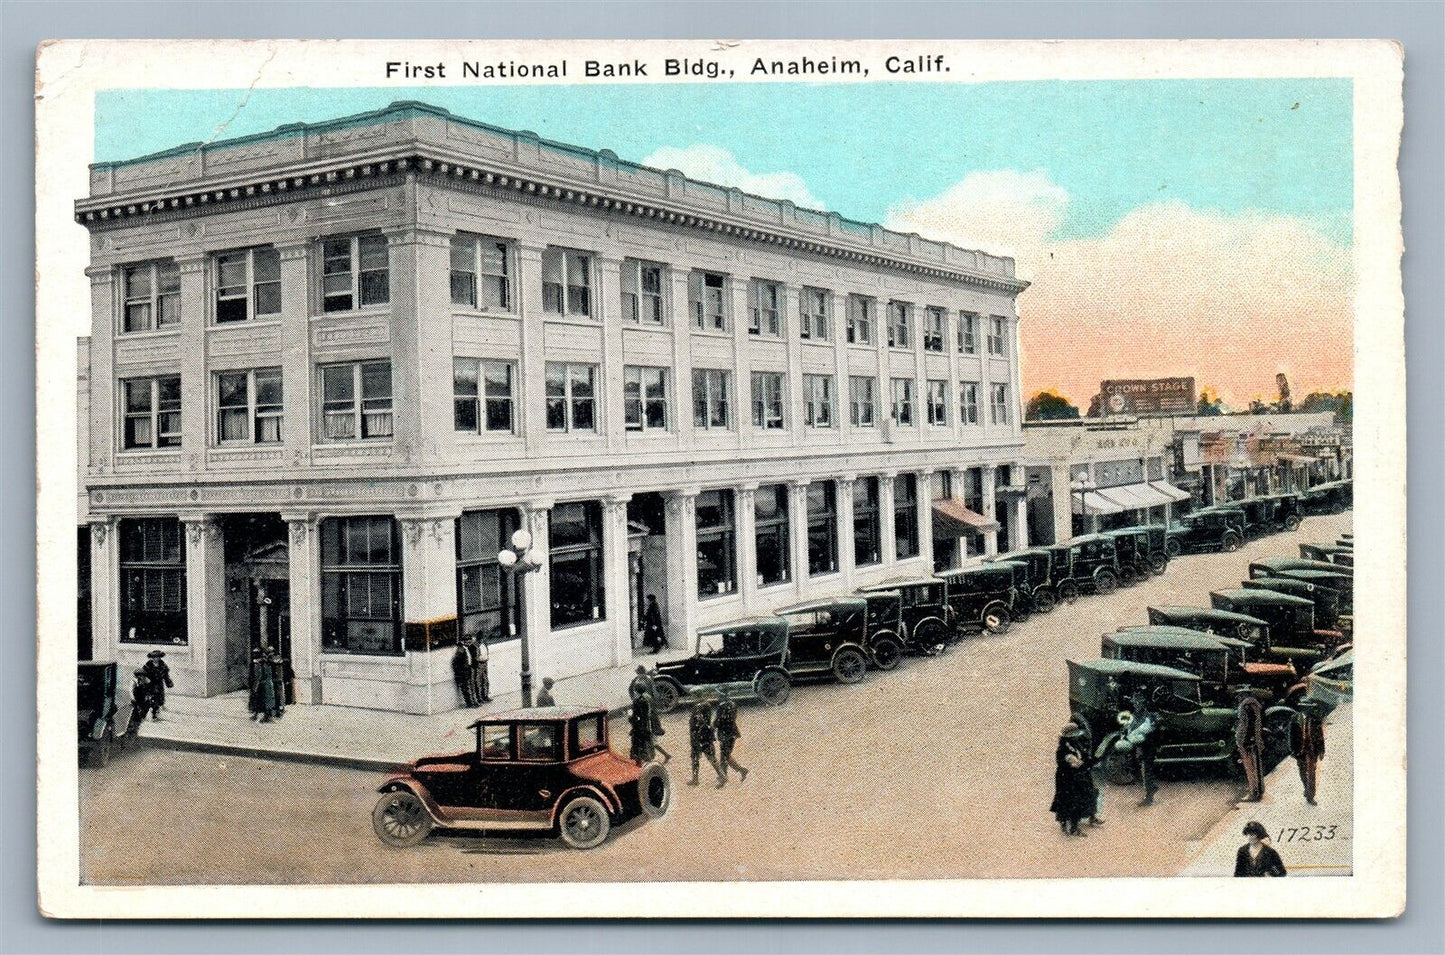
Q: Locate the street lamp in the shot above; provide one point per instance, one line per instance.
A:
(516, 562)
(1081, 486)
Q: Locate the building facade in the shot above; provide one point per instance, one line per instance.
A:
(333, 368)
(1232, 457)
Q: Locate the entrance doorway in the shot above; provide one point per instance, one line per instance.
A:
(646, 558)
(270, 623)
(258, 593)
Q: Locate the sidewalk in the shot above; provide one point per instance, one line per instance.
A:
(1311, 840)
(359, 738)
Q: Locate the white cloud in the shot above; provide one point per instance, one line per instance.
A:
(716, 165)
(1001, 211)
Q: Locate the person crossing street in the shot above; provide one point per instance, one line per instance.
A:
(727, 736)
(703, 739)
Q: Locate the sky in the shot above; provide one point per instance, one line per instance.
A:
(1169, 227)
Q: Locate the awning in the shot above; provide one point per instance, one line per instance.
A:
(1128, 497)
(1170, 491)
(952, 519)
(1097, 502)
(1298, 458)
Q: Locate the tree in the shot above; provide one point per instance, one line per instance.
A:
(1049, 405)
(1339, 403)
(1209, 404)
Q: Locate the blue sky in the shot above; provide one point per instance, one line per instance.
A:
(1280, 147)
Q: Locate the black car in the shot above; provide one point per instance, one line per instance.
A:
(1285, 511)
(1038, 588)
(886, 632)
(103, 707)
(1087, 563)
(927, 621)
(1022, 606)
(1328, 553)
(1332, 497)
(1157, 539)
(745, 656)
(1132, 550)
(1218, 661)
(1342, 582)
(1274, 566)
(1208, 529)
(982, 597)
(1325, 599)
(1292, 632)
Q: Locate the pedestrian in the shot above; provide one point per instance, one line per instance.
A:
(654, 638)
(279, 678)
(642, 683)
(160, 678)
(1249, 742)
(481, 681)
(263, 686)
(1074, 795)
(1098, 763)
(1138, 740)
(545, 698)
(462, 672)
(727, 737)
(703, 739)
(142, 699)
(1257, 858)
(1307, 746)
(640, 726)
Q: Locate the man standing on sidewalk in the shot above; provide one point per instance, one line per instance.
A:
(481, 683)
(1249, 739)
(462, 672)
(1307, 746)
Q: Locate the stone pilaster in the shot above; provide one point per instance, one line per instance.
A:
(798, 532)
(195, 387)
(105, 593)
(746, 497)
(681, 528)
(887, 532)
(297, 369)
(531, 370)
(990, 508)
(925, 518)
(844, 499)
(614, 569)
(206, 601)
(305, 582)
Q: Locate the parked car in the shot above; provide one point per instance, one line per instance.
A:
(1325, 599)
(887, 639)
(106, 715)
(1274, 566)
(1221, 663)
(747, 657)
(927, 621)
(1331, 682)
(1083, 564)
(981, 598)
(1331, 497)
(1157, 536)
(1292, 631)
(1131, 548)
(1039, 588)
(1341, 580)
(1328, 553)
(1207, 529)
(830, 638)
(1263, 666)
(548, 769)
(1285, 511)
(1022, 606)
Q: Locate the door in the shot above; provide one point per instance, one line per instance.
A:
(271, 624)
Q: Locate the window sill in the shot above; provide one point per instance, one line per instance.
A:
(709, 598)
(153, 333)
(467, 312)
(719, 333)
(863, 346)
(374, 657)
(580, 625)
(485, 437)
(127, 453)
(583, 321)
(267, 322)
(368, 310)
(775, 585)
(249, 446)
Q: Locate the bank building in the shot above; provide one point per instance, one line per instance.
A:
(334, 368)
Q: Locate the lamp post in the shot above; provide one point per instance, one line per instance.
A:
(516, 562)
(1081, 486)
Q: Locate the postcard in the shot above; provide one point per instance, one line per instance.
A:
(720, 478)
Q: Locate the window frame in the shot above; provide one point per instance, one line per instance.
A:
(777, 526)
(815, 325)
(644, 405)
(570, 402)
(153, 414)
(171, 625)
(900, 325)
(756, 309)
(359, 410)
(354, 271)
(251, 286)
(902, 407)
(856, 405)
(998, 403)
(998, 335)
(698, 284)
(967, 332)
(968, 403)
(906, 508)
(634, 293)
(342, 572)
(763, 404)
(862, 319)
(592, 552)
(935, 328)
(564, 290)
(871, 511)
(826, 522)
(254, 412)
(711, 401)
(725, 534)
(480, 400)
(818, 412)
(479, 274)
(154, 298)
(937, 404)
(509, 605)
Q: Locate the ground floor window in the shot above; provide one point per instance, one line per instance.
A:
(153, 581)
(576, 579)
(867, 548)
(822, 528)
(770, 517)
(716, 544)
(905, 516)
(487, 604)
(360, 585)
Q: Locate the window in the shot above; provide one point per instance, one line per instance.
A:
(818, 401)
(483, 395)
(356, 401)
(481, 273)
(860, 320)
(933, 328)
(566, 282)
(905, 516)
(249, 406)
(997, 325)
(587, 735)
(938, 403)
(360, 585)
(716, 547)
(867, 547)
(968, 333)
(968, 402)
(354, 273)
(487, 604)
(248, 284)
(642, 293)
(711, 400)
(153, 579)
(770, 523)
(152, 296)
(903, 401)
(999, 406)
(822, 528)
(644, 398)
(900, 325)
(152, 412)
(705, 292)
(765, 302)
(497, 741)
(862, 400)
(571, 397)
(768, 400)
(940, 485)
(541, 742)
(813, 308)
(577, 584)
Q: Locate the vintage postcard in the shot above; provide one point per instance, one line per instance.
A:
(797, 478)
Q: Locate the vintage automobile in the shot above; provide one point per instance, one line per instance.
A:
(1223, 664)
(1325, 599)
(1331, 497)
(927, 621)
(1085, 563)
(1252, 630)
(1210, 528)
(1331, 682)
(1328, 553)
(548, 769)
(1292, 631)
(1341, 581)
(1038, 587)
(831, 638)
(1285, 511)
(103, 705)
(1158, 544)
(1131, 547)
(1022, 605)
(746, 657)
(1275, 566)
(888, 639)
(981, 598)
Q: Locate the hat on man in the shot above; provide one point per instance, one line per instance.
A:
(155, 654)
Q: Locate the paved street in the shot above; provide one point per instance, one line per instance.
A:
(941, 769)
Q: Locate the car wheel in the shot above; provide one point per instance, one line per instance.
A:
(400, 819)
(1068, 591)
(773, 688)
(1337, 508)
(1105, 580)
(1128, 577)
(1276, 737)
(668, 693)
(1158, 564)
(1291, 523)
(1173, 548)
(930, 638)
(849, 665)
(1044, 601)
(584, 823)
(996, 619)
(886, 653)
(1230, 543)
(654, 789)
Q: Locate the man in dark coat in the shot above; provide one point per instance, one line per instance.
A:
(142, 696)
(1257, 858)
(280, 678)
(263, 686)
(727, 736)
(642, 683)
(545, 697)
(1307, 746)
(1074, 793)
(160, 678)
(703, 739)
(462, 672)
(640, 727)
(654, 638)
(1249, 740)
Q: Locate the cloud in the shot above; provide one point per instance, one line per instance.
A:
(1167, 290)
(716, 165)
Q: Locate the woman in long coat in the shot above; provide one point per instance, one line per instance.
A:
(263, 686)
(643, 748)
(1075, 797)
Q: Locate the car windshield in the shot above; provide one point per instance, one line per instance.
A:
(540, 741)
(728, 644)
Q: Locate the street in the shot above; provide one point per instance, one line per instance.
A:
(940, 769)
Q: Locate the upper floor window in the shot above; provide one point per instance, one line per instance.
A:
(711, 401)
(968, 333)
(705, 292)
(152, 296)
(818, 401)
(566, 282)
(765, 302)
(248, 284)
(571, 397)
(968, 402)
(933, 326)
(860, 320)
(997, 327)
(937, 402)
(481, 273)
(248, 406)
(355, 273)
(862, 400)
(999, 412)
(356, 401)
(644, 398)
(642, 293)
(813, 307)
(483, 395)
(903, 401)
(900, 325)
(768, 401)
(152, 412)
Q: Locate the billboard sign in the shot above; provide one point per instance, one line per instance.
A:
(1153, 396)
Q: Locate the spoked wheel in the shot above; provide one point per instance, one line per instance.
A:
(1044, 601)
(930, 638)
(773, 688)
(655, 788)
(1291, 523)
(1127, 576)
(849, 665)
(886, 653)
(400, 819)
(997, 619)
(1158, 563)
(1173, 548)
(1231, 543)
(1106, 581)
(1068, 591)
(584, 823)
(668, 693)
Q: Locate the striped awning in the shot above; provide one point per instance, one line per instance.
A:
(1128, 497)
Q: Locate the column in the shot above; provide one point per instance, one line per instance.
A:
(1021, 508)
(606, 307)
(614, 569)
(680, 521)
(956, 486)
(195, 390)
(296, 371)
(536, 595)
(990, 508)
(838, 329)
(104, 587)
(421, 373)
(206, 602)
(680, 320)
(886, 530)
(798, 532)
(925, 518)
(531, 370)
(847, 559)
(305, 580)
(100, 456)
(791, 324)
(744, 497)
(429, 601)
